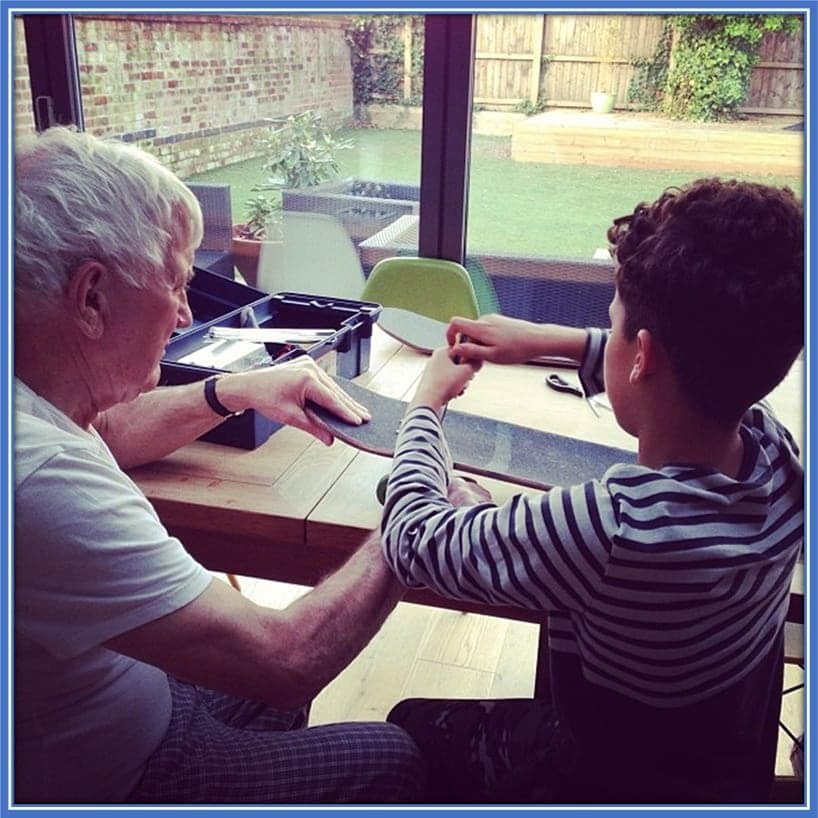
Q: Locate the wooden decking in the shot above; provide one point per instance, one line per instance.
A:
(640, 141)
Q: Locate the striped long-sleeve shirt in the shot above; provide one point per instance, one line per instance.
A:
(664, 587)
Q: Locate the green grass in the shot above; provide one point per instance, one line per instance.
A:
(514, 207)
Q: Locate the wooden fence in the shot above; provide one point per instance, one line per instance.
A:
(564, 57)
(777, 82)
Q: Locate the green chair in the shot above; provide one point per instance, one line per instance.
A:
(432, 287)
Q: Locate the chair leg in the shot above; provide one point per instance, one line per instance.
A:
(234, 581)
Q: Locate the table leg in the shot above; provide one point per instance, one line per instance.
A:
(542, 675)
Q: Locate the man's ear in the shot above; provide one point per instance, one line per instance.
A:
(645, 360)
(86, 297)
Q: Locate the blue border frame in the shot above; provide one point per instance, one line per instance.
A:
(810, 7)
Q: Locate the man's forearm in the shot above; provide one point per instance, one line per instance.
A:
(156, 423)
(337, 619)
(224, 641)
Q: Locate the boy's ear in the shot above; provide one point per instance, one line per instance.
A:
(644, 362)
(86, 297)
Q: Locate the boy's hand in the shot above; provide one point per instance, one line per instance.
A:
(443, 380)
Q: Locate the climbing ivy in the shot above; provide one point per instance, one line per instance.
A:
(529, 108)
(713, 58)
(359, 35)
(376, 48)
(647, 87)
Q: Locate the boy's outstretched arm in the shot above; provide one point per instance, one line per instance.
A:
(442, 380)
(505, 340)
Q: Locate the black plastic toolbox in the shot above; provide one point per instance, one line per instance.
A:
(218, 302)
(212, 296)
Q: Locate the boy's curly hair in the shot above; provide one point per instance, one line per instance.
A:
(715, 270)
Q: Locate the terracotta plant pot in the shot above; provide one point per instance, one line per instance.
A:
(245, 255)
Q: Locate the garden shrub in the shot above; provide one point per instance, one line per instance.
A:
(376, 46)
(713, 57)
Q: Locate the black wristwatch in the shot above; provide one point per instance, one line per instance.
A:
(213, 399)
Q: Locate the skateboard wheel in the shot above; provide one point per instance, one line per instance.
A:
(380, 491)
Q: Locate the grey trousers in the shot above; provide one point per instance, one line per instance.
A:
(219, 749)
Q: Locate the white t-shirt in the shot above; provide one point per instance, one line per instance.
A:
(91, 561)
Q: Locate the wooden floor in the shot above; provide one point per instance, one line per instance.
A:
(424, 651)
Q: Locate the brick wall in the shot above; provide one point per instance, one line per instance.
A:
(23, 116)
(194, 89)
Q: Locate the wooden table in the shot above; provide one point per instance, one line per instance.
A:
(294, 509)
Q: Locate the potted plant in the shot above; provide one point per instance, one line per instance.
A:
(262, 225)
(300, 152)
(602, 102)
(301, 162)
(300, 158)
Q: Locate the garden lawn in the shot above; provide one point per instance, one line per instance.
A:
(514, 207)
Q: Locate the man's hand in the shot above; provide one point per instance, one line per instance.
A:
(158, 422)
(504, 340)
(464, 491)
(281, 393)
(443, 379)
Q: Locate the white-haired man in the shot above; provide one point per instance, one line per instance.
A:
(138, 676)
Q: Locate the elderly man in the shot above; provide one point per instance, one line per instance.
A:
(138, 677)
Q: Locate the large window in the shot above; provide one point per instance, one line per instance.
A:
(541, 129)
(552, 163)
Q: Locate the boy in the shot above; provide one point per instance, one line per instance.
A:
(666, 582)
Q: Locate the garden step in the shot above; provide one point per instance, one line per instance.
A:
(625, 140)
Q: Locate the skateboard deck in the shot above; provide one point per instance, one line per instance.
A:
(479, 445)
(426, 334)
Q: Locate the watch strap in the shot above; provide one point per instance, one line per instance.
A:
(213, 399)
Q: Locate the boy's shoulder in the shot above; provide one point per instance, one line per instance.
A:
(645, 498)
(761, 419)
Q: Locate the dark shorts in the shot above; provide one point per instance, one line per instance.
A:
(219, 749)
(509, 751)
